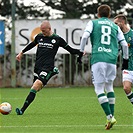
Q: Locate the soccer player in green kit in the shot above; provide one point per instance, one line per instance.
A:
(104, 35)
(121, 21)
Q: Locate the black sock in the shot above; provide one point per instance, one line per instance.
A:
(29, 100)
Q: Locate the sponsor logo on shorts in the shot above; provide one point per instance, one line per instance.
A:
(43, 73)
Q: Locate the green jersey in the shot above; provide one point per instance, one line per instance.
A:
(104, 41)
(129, 38)
(105, 37)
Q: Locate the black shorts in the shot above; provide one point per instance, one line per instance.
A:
(44, 75)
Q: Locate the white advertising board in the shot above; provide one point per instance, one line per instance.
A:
(69, 29)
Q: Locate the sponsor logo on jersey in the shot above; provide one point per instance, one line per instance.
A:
(41, 40)
(129, 38)
(53, 41)
(47, 45)
(102, 49)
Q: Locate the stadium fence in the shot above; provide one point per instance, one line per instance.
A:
(71, 73)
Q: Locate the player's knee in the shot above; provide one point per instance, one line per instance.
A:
(43, 80)
(127, 89)
(109, 87)
(99, 88)
(37, 85)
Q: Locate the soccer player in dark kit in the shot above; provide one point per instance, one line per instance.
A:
(47, 44)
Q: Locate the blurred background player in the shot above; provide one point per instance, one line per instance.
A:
(121, 21)
(104, 36)
(47, 44)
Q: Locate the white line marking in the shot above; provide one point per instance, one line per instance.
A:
(61, 126)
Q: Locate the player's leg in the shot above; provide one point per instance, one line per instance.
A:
(39, 81)
(127, 84)
(98, 78)
(110, 76)
(128, 91)
(111, 99)
(103, 100)
(37, 85)
(110, 96)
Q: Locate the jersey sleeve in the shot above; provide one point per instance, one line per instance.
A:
(86, 35)
(120, 35)
(71, 50)
(30, 45)
(122, 41)
(89, 27)
(62, 43)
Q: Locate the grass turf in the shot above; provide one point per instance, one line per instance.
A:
(64, 110)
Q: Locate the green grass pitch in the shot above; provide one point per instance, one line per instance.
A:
(64, 110)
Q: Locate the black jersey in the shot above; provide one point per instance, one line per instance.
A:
(46, 50)
(47, 47)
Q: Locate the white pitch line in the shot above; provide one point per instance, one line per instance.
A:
(61, 126)
(52, 98)
(60, 97)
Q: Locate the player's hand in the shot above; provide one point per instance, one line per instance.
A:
(125, 64)
(79, 58)
(19, 56)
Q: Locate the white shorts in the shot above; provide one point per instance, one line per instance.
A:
(103, 72)
(127, 75)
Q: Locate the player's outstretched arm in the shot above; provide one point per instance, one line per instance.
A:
(27, 48)
(75, 51)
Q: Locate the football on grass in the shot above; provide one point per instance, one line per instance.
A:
(5, 108)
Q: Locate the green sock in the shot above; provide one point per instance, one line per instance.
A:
(102, 98)
(111, 98)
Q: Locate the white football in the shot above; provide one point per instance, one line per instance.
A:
(5, 108)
